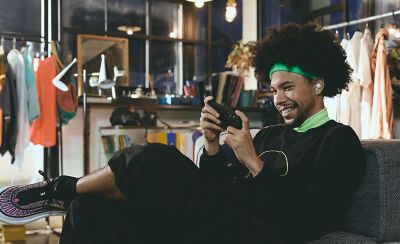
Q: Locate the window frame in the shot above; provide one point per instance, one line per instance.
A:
(148, 37)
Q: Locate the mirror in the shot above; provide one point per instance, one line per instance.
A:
(114, 53)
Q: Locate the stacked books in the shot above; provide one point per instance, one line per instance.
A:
(226, 88)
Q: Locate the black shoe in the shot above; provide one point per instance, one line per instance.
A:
(27, 203)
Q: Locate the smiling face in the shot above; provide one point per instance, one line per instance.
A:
(295, 97)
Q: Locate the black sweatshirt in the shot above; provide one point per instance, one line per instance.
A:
(325, 167)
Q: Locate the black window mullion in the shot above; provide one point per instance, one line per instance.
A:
(209, 36)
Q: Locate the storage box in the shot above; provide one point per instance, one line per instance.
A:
(13, 233)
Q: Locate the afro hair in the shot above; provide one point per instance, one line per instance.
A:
(305, 46)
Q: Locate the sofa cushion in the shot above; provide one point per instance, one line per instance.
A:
(339, 237)
(375, 210)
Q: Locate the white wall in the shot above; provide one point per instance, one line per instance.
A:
(249, 20)
(27, 173)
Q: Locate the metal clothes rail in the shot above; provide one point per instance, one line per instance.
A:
(359, 21)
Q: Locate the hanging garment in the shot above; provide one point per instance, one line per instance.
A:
(8, 104)
(3, 71)
(350, 100)
(43, 129)
(33, 105)
(17, 65)
(334, 105)
(67, 102)
(382, 104)
(365, 77)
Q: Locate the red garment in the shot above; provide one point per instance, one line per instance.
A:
(43, 130)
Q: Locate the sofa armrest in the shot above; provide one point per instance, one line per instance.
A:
(374, 209)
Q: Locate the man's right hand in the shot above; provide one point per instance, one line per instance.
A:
(210, 130)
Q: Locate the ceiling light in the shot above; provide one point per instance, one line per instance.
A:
(199, 3)
(231, 12)
(129, 29)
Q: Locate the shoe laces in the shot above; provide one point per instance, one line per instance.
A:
(49, 194)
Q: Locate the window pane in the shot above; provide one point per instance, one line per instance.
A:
(195, 22)
(194, 62)
(68, 49)
(222, 30)
(166, 19)
(329, 19)
(201, 22)
(84, 15)
(127, 13)
(317, 4)
(166, 67)
(355, 9)
(219, 56)
(22, 17)
(137, 62)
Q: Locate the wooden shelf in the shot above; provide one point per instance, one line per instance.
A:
(161, 107)
(123, 127)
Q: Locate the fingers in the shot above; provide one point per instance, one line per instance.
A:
(245, 120)
(209, 121)
(207, 117)
(208, 109)
(208, 98)
(205, 125)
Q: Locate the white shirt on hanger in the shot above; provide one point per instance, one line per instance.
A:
(350, 101)
(365, 77)
(17, 66)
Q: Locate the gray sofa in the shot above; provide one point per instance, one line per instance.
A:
(374, 216)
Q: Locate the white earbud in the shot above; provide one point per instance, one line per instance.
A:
(318, 86)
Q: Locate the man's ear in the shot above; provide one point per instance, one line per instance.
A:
(319, 85)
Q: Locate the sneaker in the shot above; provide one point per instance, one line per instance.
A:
(27, 203)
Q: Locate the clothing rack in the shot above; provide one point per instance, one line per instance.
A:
(15, 36)
(50, 153)
(363, 20)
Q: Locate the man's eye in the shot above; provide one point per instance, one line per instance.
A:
(274, 92)
(288, 88)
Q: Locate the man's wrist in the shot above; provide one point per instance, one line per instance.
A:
(256, 167)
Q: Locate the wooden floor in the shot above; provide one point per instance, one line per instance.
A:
(38, 232)
(37, 239)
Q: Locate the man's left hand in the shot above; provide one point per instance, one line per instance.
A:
(242, 144)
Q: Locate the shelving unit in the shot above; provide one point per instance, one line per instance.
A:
(138, 135)
(181, 111)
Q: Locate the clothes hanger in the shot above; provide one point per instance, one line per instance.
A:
(2, 46)
(54, 52)
(14, 42)
(337, 37)
(395, 19)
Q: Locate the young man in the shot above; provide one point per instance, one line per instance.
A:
(298, 182)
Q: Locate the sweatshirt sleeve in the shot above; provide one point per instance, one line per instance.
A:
(214, 167)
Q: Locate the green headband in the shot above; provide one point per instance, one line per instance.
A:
(293, 69)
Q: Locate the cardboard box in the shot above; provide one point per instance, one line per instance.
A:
(14, 233)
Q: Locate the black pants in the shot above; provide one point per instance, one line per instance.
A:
(169, 201)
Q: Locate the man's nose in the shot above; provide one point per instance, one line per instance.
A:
(279, 97)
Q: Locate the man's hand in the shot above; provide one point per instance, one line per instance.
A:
(242, 144)
(210, 130)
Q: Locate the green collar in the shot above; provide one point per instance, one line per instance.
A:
(314, 121)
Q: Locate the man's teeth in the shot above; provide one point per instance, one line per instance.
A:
(287, 110)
